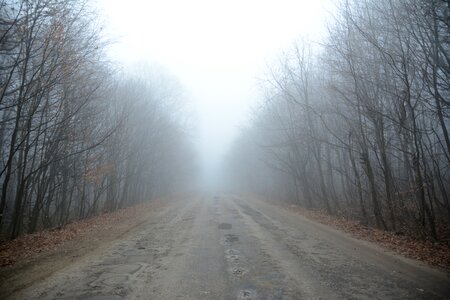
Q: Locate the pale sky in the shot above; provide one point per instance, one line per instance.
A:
(216, 49)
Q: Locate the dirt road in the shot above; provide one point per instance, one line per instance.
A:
(228, 247)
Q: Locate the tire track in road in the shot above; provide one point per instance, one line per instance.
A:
(331, 266)
(197, 270)
(233, 248)
(124, 267)
(280, 275)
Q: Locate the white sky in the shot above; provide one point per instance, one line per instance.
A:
(217, 49)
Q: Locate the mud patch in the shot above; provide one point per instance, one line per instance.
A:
(225, 226)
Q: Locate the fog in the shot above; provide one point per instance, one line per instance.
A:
(218, 50)
(189, 149)
(341, 106)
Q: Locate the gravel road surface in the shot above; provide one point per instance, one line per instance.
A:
(230, 247)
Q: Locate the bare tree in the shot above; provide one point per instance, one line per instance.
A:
(364, 117)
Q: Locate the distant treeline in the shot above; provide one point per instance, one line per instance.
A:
(78, 137)
(359, 125)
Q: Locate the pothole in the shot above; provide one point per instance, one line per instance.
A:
(233, 257)
(130, 269)
(246, 295)
(231, 238)
(238, 271)
(232, 252)
(114, 280)
(225, 226)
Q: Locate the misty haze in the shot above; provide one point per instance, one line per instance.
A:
(289, 149)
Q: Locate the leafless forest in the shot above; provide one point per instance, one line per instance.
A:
(358, 125)
(239, 149)
(77, 136)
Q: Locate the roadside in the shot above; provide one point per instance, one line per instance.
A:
(41, 254)
(433, 253)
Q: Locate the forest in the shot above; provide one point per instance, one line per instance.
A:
(357, 126)
(239, 149)
(78, 135)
